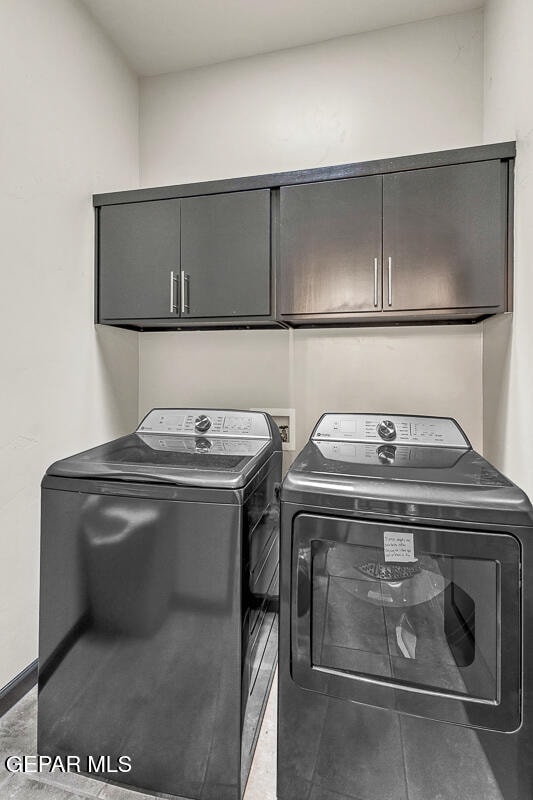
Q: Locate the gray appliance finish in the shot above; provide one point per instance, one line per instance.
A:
(158, 604)
(404, 673)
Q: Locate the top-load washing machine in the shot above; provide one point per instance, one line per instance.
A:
(405, 609)
(158, 612)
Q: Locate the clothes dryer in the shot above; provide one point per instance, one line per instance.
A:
(158, 623)
(406, 607)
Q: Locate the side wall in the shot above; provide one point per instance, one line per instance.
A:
(508, 341)
(69, 128)
(408, 89)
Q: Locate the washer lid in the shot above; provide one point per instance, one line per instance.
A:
(193, 458)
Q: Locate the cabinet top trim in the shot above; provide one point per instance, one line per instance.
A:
(487, 152)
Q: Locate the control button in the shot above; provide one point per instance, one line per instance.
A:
(202, 423)
(387, 430)
(387, 453)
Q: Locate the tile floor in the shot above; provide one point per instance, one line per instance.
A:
(18, 733)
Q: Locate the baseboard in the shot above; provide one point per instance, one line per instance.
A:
(17, 688)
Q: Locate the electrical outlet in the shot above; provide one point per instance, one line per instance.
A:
(285, 420)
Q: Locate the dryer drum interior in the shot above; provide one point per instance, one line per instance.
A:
(423, 615)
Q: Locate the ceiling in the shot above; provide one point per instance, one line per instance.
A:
(158, 36)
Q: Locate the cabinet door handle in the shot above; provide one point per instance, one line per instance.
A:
(390, 281)
(185, 283)
(375, 282)
(173, 282)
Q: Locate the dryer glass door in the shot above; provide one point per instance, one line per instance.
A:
(410, 618)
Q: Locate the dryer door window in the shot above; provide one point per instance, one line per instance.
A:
(414, 619)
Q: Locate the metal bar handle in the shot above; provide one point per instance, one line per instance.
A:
(375, 282)
(390, 281)
(185, 284)
(188, 284)
(173, 281)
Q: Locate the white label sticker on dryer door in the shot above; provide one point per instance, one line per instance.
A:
(398, 546)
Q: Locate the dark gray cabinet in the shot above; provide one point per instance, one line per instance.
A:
(225, 254)
(420, 238)
(139, 260)
(168, 262)
(330, 245)
(415, 244)
(444, 237)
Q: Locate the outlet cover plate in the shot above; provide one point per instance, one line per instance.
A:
(285, 417)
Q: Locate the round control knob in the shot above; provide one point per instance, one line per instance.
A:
(387, 453)
(202, 423)
(387, 430)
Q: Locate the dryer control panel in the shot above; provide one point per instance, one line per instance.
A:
(390, 428)
(206, 421)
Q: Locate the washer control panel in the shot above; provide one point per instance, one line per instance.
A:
(194, 421)
(389, 428)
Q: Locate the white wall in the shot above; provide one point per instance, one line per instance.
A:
(69, 128)
(230, 369)
(408, 89)
(430, 370)
(508, 341)
(369, 369)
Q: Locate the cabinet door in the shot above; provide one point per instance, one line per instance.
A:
(138, 256)
(330, 246)
(444, 237)
(225, 254)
